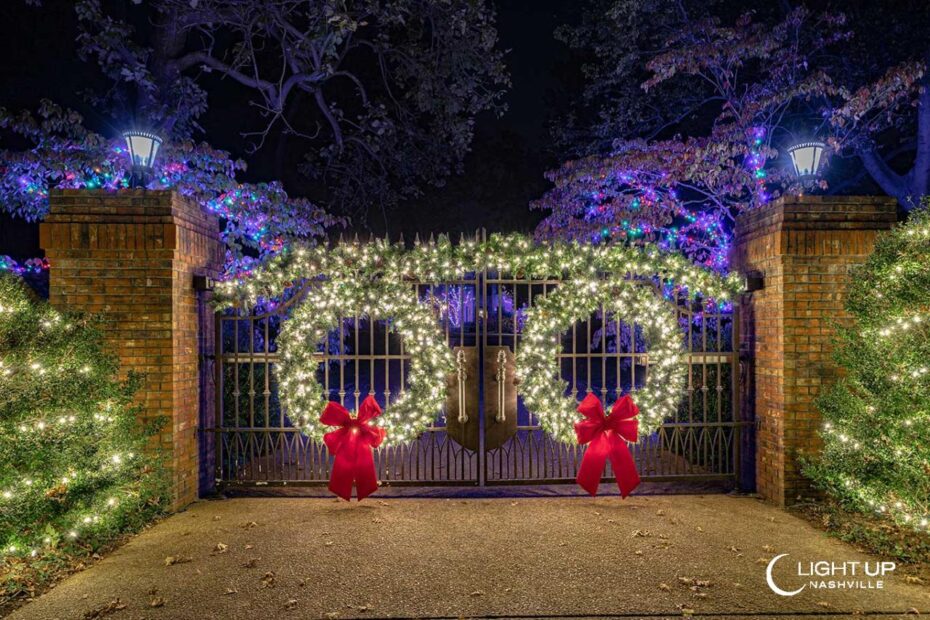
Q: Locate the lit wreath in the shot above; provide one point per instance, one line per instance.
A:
(537, 360)
(325, 305)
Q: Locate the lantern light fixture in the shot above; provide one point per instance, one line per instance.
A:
(807, 158)
(143, 149)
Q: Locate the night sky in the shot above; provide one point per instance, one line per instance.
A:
(503, 173)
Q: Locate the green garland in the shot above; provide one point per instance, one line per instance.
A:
(322, 310)
(542, 388)
(441, 260)
(367, 279)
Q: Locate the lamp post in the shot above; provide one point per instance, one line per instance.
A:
(807, 158)
(143, 148)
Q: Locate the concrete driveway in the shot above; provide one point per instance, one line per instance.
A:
(658, 556)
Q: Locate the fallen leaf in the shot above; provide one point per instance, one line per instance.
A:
(328, 543)
(247, 547)
(912, 612)
(665, 587)
(249, 525)
(171, 560)
(268, 580)
(913, 579)
(660, 512)
(220, 548)
(640, 534)
(157, 602)
(109, 608)
(733, 548)
(231, 591)
(768, 548)
(477, 593)
(290, 604)
(700, 529)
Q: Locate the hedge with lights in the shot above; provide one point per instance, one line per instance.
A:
(876, 453)
(375, 279)
(322, 310)
(636, 303)
(73, 468)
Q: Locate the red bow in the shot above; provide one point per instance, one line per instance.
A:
(352, 448)
(608, 436)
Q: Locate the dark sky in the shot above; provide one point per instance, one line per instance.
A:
(501, 176)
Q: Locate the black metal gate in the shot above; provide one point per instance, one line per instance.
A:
(485, 436)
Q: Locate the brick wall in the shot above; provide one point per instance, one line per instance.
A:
(131, 256)
(805, 247)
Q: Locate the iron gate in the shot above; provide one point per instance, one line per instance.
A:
(485, 436)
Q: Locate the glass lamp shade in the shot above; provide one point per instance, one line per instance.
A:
(806, 159)
(143, 147)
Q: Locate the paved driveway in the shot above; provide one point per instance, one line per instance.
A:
(541, 557)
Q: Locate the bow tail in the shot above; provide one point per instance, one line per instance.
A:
(344, 467)
(624, 466)
(592, 464)
(366, 478)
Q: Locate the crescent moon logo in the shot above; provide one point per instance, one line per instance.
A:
(771, 582)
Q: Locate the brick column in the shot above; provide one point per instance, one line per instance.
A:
(804, 246)
(131, 256)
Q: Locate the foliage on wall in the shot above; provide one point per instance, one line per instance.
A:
(74, 471)
(876, 456)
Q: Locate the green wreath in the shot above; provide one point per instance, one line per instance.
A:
(537, 360)
(325, 305)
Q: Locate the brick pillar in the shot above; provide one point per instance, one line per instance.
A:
(804, 246)
(131, 256)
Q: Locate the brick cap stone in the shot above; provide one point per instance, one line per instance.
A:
(805, 212)
(128, 206)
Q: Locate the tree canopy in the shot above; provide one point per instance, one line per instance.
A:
(375, 99)
(689, 108)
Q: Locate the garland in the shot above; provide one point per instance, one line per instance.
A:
(440, 260)
(633, 302)
(374, 279)
(322, 311)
